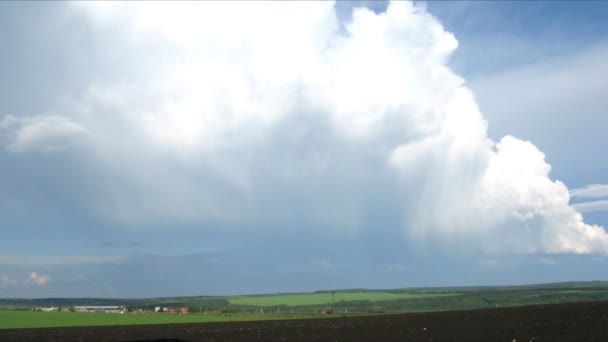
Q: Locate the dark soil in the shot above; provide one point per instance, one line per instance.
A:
(560, 322)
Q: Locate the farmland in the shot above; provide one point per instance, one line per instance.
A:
(555, 322)
(35, 319)
(325, 298)
(17, 313)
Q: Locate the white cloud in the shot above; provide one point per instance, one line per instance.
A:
(590, 191)
(586, 207)
(44, 133)
(36, 279)
(556, 97)
(531, 211)
(269, 113)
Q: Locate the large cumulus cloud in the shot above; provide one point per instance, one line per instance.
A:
(274, 114)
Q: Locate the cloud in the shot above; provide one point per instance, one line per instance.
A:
(530, 211)
(278, 116)
(44, 133)
(554, 97)
(590, 191)
(585, 207)
(37, 279)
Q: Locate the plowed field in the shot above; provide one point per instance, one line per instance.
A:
(560, 322)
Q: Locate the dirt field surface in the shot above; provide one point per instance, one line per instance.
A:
(560, 322)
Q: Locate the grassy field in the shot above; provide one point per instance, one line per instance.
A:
(36, 319)
(325, 298)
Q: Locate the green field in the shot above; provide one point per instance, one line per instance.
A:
(17, 313)
(325, 298)
(36, 319)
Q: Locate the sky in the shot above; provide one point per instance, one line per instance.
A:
(201, 148)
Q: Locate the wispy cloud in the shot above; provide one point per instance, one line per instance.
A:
(586, 207)
(42, 133)
(590, 191)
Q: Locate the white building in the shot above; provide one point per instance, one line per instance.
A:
(100, 308)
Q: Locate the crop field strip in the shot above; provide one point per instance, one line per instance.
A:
(325, 298)
(36, 319)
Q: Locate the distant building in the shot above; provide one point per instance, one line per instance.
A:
(52, 308)
(177, 310)
(100, 308)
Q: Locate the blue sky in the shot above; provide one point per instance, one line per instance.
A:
(350, 148)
